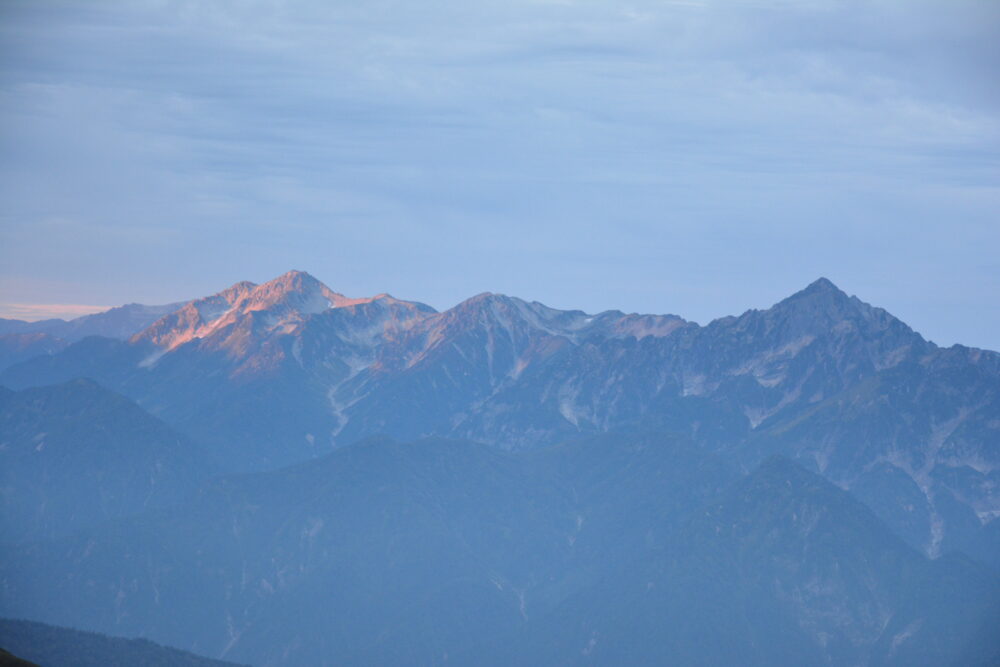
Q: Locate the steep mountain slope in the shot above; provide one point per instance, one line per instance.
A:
(618, 550)
(919, 442)
(51, 646)
(75, 455)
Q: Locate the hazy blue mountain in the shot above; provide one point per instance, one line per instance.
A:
(782, 569)
(21, 340)
(286, 371)
(10, 326)
(405, 541)
(616, 550)
(120, 322)
(808, 552)
(50, 646)
(18, 347)
(75, 455)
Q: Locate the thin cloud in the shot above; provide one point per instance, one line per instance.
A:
(32, 312)
(753, 143)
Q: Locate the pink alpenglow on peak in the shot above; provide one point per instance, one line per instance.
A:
(279, 305)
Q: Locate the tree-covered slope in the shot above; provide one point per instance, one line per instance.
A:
(618, 550)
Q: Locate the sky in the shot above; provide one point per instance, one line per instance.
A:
(689, 157)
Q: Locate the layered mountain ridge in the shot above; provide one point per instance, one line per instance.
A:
(21, 340)
(118, 322)
(614, 550)
(507, 483)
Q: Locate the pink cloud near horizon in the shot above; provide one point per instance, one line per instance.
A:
(33, 312)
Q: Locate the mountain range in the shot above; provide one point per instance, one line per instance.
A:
(280, 474)
(290, 370)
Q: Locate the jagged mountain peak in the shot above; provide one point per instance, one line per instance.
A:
(826, 305)
(296, 275)
(296, 290)
(819, 298)
(500, 310)
(305, 294)
(822, 284)
(241, 287)
(246, 316)
(822, 308)
(576, 325)
(294, 281)
(489, 305)
(183, 324)
(822, 292)
(286, 300)
(485, 299)
(230, 296)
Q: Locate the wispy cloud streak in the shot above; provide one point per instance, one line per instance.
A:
(32, 312)
(654, 152)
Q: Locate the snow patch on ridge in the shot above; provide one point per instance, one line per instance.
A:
(151, 360)
(567, 405)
